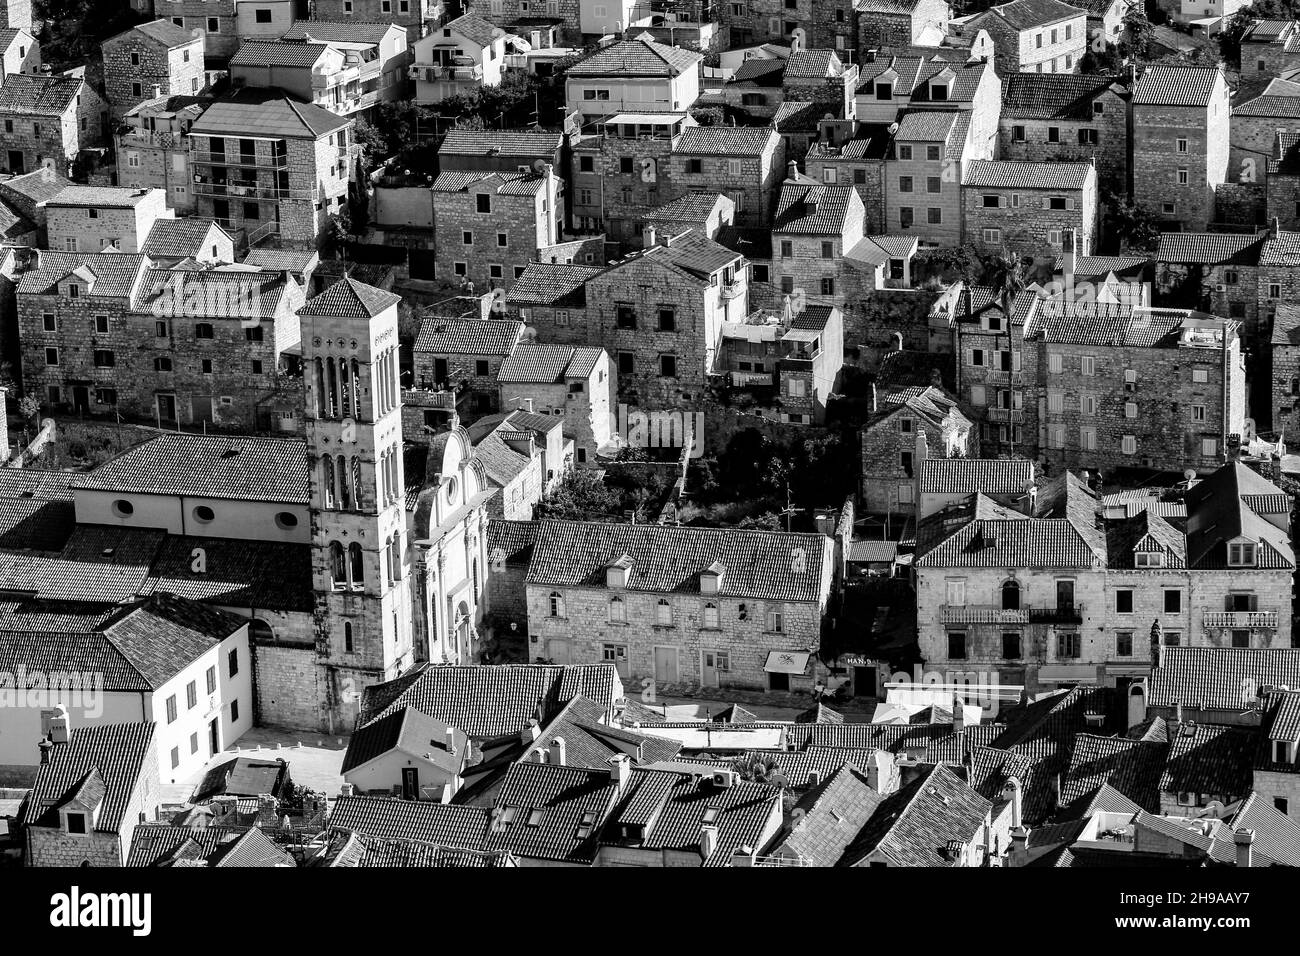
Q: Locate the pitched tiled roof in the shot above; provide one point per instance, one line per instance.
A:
(547, 364)
(473, 28)
(521, 143)
(996, 174)
(35, 524)
(164, 31)
(275, 53)
(550, 812)
(1221, 678)
(692, 251)
(269, 117)
(1052, 95)
(510, 542)
(812, 209)
(1217, 513)
(1027, 14)
(350, 299)
(915, 825)
(114, 274)
(559, 285)
(237, 572)
(725, 141)
(760, 71)
(1282, 249)
(113, 197)
(157, 844)
(338, 31)
(388, 818)
(833, 814)
(25, 95)
(980, 533)
(1270, 105)
(694, 208)
(1277, 836)
(491, 701)
(348, 849)
(637, 58)
(211, 293)
(177, 238)
(1076, 322)
(590, 743)
(813, 65)
(765, 565)
(926, 127)
(504, 184)
(964, 476)
(410, 731)
(1211, 248)
(1176, 86)
(119, 754)
(242, 468)
(1133, 767)
(1209, 759)
(1267, 31)
(442, 335)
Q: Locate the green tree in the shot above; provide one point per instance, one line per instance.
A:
(1138, 32)
(757, 767)
(580, 496)
(1129, 227)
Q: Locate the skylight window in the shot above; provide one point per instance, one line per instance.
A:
(711, 815)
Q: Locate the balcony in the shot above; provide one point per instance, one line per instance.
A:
(204, 186)
(1266, 618)
(1005, 415)
(991, 614)
(729, 290)
(746, 379)
(253, 160)
(144, 138)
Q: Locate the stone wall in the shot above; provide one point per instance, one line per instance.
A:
(1157, 160)
(176, 72)
(288, 686)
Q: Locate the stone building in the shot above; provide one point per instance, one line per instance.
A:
(1105, 19)
(1216, 272)
(362, 566)
(815, 228)
(489, 226)
(1282, 184)
(909, 425)
(19, 53)
(1255, 127)
(944, 482)
(17, 15)
(99, 783)
(48, 119)
(499, 151)
(681, 605)
(465, 354)
(634, 76)
(458, 58)
(561, 18)
(95, 218)
(215, 18)
(1277, 764)
(153, 151)
(1270, 48)
(1181, 117)
(1029, 207)
(376, 58)
(899, 23)
(575, 385)
(660, 313)
(151, 60)
(414, 16)
(1071, 118)
(745, 164)
(821, 77)
(1279, 278)
(272, 167)
(1129, 386)
(890, 85)
(755, 89)
(1033, 36)
(706, 212)
(923, 191)
(1284, 372)
(551, 297)
(1086, 592)
(524, 454)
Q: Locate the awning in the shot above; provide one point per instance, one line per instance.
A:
(787, 662)
(1128, 670)
(1065, 673)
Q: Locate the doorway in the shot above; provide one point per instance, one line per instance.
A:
(166, 407)
(864, 681)
(709, 675)
(80, 400)
(16, 162)
(410, 783)
(214, 738)
(666, 671)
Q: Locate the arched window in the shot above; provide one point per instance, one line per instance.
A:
(557, 604)
(356, 481)
(663, 612)
(332, 388)
(356, 389)
(348, 645)
(338, 567)
(358, 565)
(259, 630)
(321, 404)
(617, 611)
(1011, 595)
(345, 485)
(388, 548)
(396, 546)
(327, 480)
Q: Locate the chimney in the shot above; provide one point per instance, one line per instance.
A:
(1175, 723)
(559, 751)
(708, 840)
(1019, 845)
(347, 790)
(650, 237)
(922, 448)
(532, 731)
(1244, 838)
(897, 342)
(1274, 227)
(958, 714)
(45, 747)
(1017, 805)
(620, 770)
(451, 740)
(59, 726)
(875, 401)
(548, 170)
(792, 170)
(742, 856)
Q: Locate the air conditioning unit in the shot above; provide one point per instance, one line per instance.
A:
(724, 779)
(227, 400)
(1220, 288)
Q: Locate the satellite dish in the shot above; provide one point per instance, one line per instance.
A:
(497, 32)
(539, 166)
(1189, 475)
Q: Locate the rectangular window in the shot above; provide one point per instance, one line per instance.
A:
(1087, 365)
(956, 647)
(234, 711)
(934, 216)
(171, 709)
(191, 695)
(210, 679)
(1069, 645)
(1124, 601)
(1173, 601)
(904, 184)
(232, 660)
(1011, 646)
(1123, 643)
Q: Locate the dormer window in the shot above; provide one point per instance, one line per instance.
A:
(711, 578)
(1241, 554)
(1281, 751)
(1149, 559)
(939, 90)
(884, 89)
(76, 822)
(616, 573)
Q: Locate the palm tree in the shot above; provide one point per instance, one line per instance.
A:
(757, 767)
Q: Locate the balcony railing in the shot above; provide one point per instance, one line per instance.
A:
(730, 290)
(245, 190)
(165, 139)
(745, 379)
(259, 161)
(991, 614)
(1243, 619)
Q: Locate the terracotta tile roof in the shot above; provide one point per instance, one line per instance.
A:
(1282, 249)
(926, 127)
(119, 755)
(964, 476)
(1052, 95)
(759, 71)
(510, 542)
(1211, 248)
(350, 299)
(407, 730)
(242, 468)
(164, 31)
(339, 31)
(114, 274)
(994, 174)
(1028, 14)
(237, 573)
(211, 293)
(267, 117)
(275, 53)
(1204, 758)
(559, 285)
(813, 65)
(548, 364)
(590, 743)
(1133, 767)
(725, 141)
(28, 524)
(1176, 86)
(550, 812)
(1267, 31)
(491, 701)
(348, 849)
(812, 210)
(524, 144)
(1113, 324)
(392, 819)
(764, 565)
(25, 95)
(441, 335)
(637, 58)
(981, 533)
(1277, 836)
(177, 237)
(693, 252)
(158, 844)
(1217, 513)
(1270, 105)
(915, 825)
(1221, 678)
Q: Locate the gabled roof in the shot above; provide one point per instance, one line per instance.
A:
(964, 476)
(590, 742)
(1133, 767)
(411, 732)
(551, 812)
(833, 814)
(521, 143)
(474, 29)
(1218, 513)
(978, 532)
(112, 274)
(725, 141)
(109, 197)
(1053, 95)
(764, 565)
(1076, 322)
(1281, 249)
(338, 31)
(491, 701)
(242, 468)
(637, 58)
(933, 127)
(1028, 14)
(1221, 678)
(350, 299)
(119, 754)
(1211, 248)
(548, 364)
(178, 238)
(277, 53)
(997, 174)
(242, 777)
(268, 118)
(1205, 758)
(813, 65)
(162, 31)
(1277, 836)
(816, 210)
(25, 95)
(443, 335)
(389, 818)
(1176, 86)
(915, 825)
